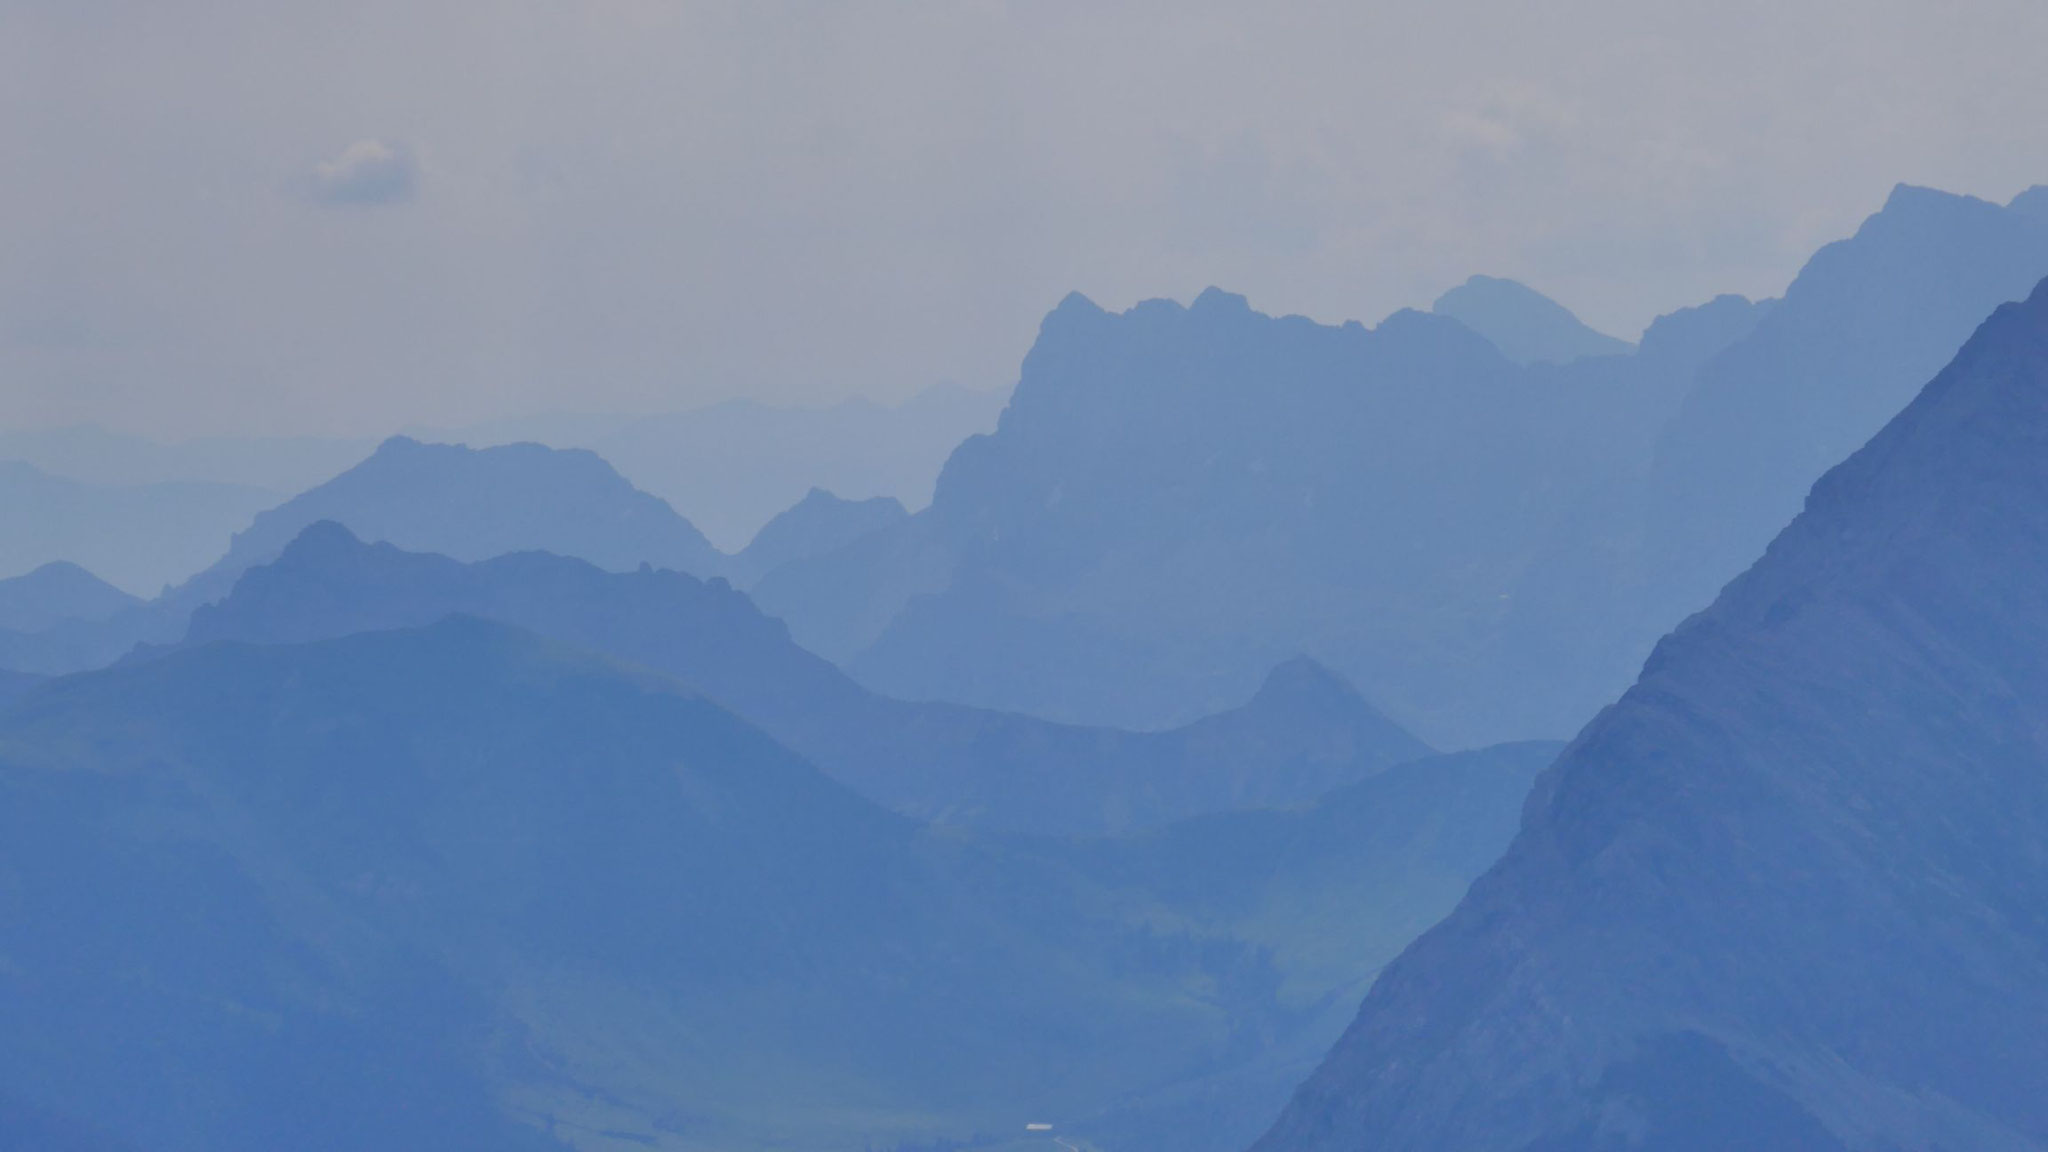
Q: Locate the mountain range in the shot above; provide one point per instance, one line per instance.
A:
(471, 503)
(461, 886)
(1866, 324)
(1788, 892)
(474, 799)
(1177, 498)
(1304, 733)
(448, 498)
(733, 466)
(1177, 495)
(730, 467)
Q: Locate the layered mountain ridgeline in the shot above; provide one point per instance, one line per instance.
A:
(729, 467)
(733, 466)
(431, 889)
(56, 592)
(1304, 733)
(448, 498)
(816, 525)
(41, 611)
(1867, 322)
(461, 887)
(140, 537)
(1789, 892)
(1330, 894)
(1527, 326)
(1177, 498)
(475, 503)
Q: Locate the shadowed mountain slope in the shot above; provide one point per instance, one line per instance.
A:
(460, 887)
(1303, 734)
(1331, 893)
(1867, 322)
(1527, 326)
(1788, 893)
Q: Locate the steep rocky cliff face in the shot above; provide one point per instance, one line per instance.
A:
(1792, 890)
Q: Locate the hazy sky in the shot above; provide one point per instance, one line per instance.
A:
(290, 217)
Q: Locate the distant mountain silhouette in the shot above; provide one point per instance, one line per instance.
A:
(1866, 323)
(461, 887)
(447, 498)
(1683, 341)
(818, 524)
(1788, 893)
(731, 467)
(1527, 326)
(1303, 734)
(55, 592)
(60, 617)
(139, 537)
(1179, 498)
(475, 503)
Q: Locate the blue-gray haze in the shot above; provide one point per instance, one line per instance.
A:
(226, 216)
(551, 599)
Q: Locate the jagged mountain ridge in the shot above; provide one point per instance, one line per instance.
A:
(1305, 733)
(733, 466)
(1178, 498)
(1178, 495)
(1869, 320)
(1787, 893)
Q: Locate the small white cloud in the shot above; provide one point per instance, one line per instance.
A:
(366, 172)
